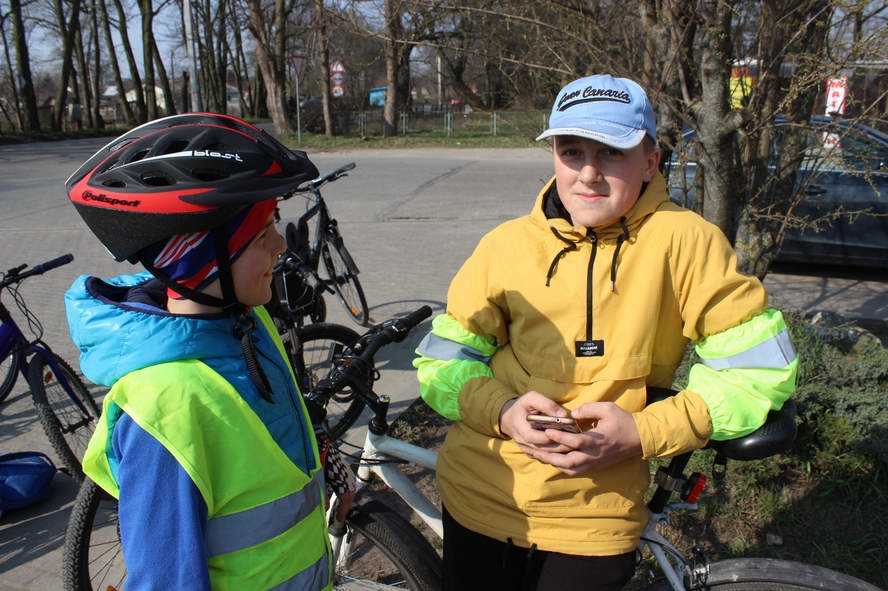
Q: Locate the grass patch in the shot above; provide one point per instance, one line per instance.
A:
(49, 136)
(415, 139)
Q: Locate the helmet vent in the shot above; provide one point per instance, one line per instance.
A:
(138, 155)
(114, 183)
(209, 174)
(176, 146)
(157, 179)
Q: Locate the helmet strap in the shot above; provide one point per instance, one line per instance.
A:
(184, 291)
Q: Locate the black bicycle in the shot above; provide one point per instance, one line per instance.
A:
(298, 286)
(66, 409)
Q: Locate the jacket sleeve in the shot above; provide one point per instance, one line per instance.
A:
(163, 516)
(453, 360)
(747, 363)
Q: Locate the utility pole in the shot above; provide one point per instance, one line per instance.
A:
(440, 84)
(196, 104)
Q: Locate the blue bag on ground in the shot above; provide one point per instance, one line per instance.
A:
(24, 479)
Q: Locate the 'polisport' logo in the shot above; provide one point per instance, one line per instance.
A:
(90, 196)
(591, 95)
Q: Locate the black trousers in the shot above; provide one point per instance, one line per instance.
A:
(474, 561)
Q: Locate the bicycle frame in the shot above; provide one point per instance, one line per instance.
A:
(13, 339)
(376, 458)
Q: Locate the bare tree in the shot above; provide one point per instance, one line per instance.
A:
(271, 58)
(115, 66)
(393, 28)
(147, 11)
(323, 33)
(13, 86)
(97, 65)
(141, 108)
(68, 42)
(23, 64)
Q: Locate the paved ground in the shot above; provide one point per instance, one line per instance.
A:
(409, 217)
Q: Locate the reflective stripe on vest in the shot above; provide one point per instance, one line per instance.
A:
(250, 527)
(774, 353)
(314, 577)
(435, 347)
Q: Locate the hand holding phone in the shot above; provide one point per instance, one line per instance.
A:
(542, 422)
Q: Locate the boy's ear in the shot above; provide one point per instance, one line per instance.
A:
(652, 164)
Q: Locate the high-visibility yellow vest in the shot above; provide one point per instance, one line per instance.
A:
(266, 526)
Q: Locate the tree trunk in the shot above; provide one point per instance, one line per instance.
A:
(141, 108)
(393, 34)
(83, 79)
(324, 65)
(260, 101)
(405, 99)
(759, 237)
(241, 76)
(23, 64)
(147, 10)
(115, 66)
(715, 132)
(270, 56)
(165, 85)
(68, 51)
(20, 120)
(222, 55)
(97, 65)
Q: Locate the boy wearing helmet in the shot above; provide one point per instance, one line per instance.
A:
(204, 439)
(574, 311)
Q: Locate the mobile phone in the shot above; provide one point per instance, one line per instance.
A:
(543, 422)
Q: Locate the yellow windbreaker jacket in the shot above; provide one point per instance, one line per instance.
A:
(583, 316)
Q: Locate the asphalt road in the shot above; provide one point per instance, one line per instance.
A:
(409, 217)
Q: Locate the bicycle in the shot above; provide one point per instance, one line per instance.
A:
(420, 570)
(298, 286)
(66, 409)
(380, 537)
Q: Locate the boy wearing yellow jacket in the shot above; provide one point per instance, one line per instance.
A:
(573, 310)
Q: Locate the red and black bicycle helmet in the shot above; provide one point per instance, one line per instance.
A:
(180, 174)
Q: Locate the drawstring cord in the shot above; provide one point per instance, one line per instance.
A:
(620, 239)
(571, 246)
(528, 567)
(243, 330)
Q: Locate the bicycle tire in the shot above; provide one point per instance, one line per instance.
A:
(343, 273)
(92, 556)
(67, 427)
(9, 371)
(387, 552)
(766, 574)
(312, 358)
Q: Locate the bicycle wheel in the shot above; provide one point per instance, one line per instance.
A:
(66, 425)
(9, 368)
(93, 555)
(344, 273)
(312, 357)
(386, 552)
(765, 574)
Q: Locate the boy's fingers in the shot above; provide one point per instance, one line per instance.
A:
(544, 405)
(592, 410)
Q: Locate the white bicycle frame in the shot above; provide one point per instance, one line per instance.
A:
(377, 456)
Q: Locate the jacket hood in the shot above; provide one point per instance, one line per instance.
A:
(653, 196)
(120, 325)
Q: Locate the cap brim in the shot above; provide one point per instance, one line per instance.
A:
(625, 142)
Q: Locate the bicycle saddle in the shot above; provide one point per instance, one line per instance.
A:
(774, 437)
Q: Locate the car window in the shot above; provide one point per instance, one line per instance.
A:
(844, 150)
(681, 170)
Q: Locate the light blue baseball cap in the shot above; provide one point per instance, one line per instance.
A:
(613, 111)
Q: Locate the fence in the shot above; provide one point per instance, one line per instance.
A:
(441, 123)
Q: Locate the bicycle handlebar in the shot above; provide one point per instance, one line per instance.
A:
(15, 275)
(330, 177)
(354, 369)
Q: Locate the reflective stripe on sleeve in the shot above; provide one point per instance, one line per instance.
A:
(314, 577)
(775, 353)
(434, 347)
(244, 529)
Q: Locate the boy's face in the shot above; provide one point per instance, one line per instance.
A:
(251, 271)
(597, 183)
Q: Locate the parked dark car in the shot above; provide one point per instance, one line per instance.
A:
(845, 169)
